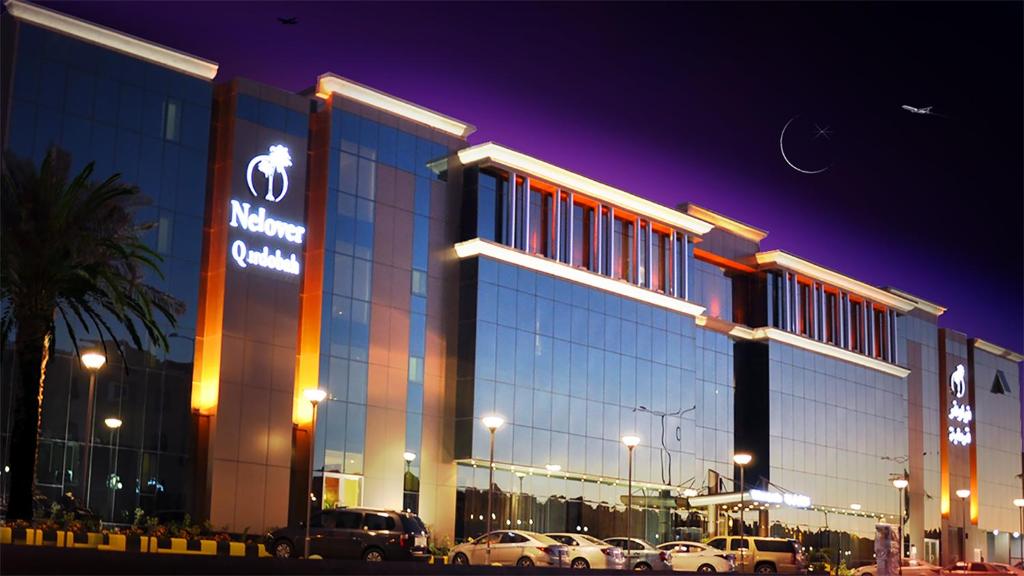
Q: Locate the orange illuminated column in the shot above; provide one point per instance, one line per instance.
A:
(210, 310)
(307, 365)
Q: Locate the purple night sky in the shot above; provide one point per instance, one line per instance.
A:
(685, 102)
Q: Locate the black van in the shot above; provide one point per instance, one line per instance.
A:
(355, 533)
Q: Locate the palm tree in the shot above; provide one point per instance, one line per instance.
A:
(71, 250)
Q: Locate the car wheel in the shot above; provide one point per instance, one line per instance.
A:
(283, 549)
(525, 562)
(642, 567)
(580, 563)
(373, 555)
(460, 559)
(706, 569)
(764, 568)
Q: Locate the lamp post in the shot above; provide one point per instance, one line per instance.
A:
(492, 423)
(315, 396)
(92, 361)
(901, 484)
(519, 508)
(114, 424)
(963, 494)
(631, 441)
(741, 460)
(1019, 503)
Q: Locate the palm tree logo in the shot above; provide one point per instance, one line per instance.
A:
(270, 165)
(956, 381)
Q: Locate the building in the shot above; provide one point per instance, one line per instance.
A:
(347, 240)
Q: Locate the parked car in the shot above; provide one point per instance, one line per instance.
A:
(510, 548)
(974, 569)
(1015, 569)
(641, 554)
(585, 551)
(357, 533)
(696, 557)
(763, 555)
(911, 567)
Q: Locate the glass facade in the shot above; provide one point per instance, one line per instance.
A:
(835, 432)
(151, 125)
(572, 369)
(376, 169)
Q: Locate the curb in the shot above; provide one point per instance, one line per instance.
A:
(125, 543)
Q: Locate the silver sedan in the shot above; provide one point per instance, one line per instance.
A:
(588, 552)
(641, 555)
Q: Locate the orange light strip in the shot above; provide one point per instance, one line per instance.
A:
(307, 365)
(210, 313)
(722, 261)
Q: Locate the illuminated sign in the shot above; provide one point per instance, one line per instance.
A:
(789, 499)
(960, 413)
(261, 223)
(270, 165)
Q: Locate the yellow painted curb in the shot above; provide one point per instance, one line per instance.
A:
(116, 543)
(6, 535)
(236, 549)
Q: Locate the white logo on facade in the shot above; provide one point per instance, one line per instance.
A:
(271, 165)
(258, 222)
(957, 384)
(960, 413)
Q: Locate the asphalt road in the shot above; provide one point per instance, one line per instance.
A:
(47, 560)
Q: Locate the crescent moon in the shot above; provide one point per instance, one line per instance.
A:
(784, 157)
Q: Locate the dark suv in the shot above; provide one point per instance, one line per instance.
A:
(355, 533)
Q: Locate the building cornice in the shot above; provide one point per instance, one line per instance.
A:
(330, 83)
(481, 247)
(737, 331)
(919, 303)
(997, 350)
(780, 259)
(736, 227)
(112, 39)
(829, 350)
(498, 154)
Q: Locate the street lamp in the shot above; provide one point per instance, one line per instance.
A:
(631, 441)
(315, 396)
(553, 467)
(92, 361)
(492, 423)
(741, 460)
(114, 424)
(855, 507)
(690, 492)
(901, 485)
(963, 494)
(1019, 503)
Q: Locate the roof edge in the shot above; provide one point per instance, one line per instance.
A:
(997, 350)
(795, 263)
(920, 303)
(112, 39)
(331, 83)
(724, 222)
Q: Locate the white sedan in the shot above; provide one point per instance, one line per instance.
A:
(696, 557)
(588, 552)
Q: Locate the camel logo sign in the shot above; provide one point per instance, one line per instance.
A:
(960, 413)
(271, 165)
(260, 225)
